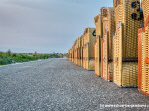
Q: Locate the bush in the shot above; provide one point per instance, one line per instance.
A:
(14, 55)
(2, 62)
(8, 57)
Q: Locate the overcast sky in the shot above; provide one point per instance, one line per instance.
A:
(45, 26)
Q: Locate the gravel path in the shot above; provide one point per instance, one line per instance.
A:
(59, 85)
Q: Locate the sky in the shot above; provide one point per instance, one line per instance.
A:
(45, 26)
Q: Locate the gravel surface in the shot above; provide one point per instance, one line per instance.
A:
(60, 85)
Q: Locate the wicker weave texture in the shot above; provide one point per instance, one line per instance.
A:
(96, 52)
(86, 56)
(129, 74)
(125, 73)
(128, 12)
(97, 46)
(105, 55)
(108, 19)
(72, 50)
(82, 40)
(79, 56)
(117, 55)
(110, 71)
(89, 36)
(145, 7)
(84, 50)
(82, 44)
(145, 57)
(97, 57)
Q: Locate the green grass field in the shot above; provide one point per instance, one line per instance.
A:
(8, 57)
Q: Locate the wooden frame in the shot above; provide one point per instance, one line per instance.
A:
(143, 58)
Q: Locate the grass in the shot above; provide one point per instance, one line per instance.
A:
(8, 57)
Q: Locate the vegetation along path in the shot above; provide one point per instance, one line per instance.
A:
(57, 85)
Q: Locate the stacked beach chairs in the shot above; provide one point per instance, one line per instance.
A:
(72, 54)
(79, 51)
(75, 52)
(125, 47)
(82, 44)
(118, 48)
(97, 45)
(143, 51)
(88, 48)
(107, 15)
